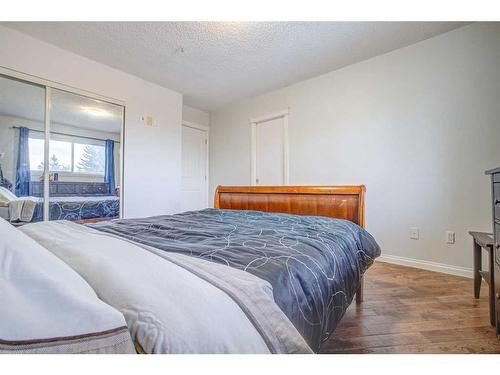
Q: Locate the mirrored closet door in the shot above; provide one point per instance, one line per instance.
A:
(84, 158)
(22, 150)
(60, 153)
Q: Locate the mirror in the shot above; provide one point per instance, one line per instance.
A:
(84, 158)
(22, 117)
(79, 173)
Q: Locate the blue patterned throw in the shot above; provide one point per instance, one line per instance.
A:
(314, 264)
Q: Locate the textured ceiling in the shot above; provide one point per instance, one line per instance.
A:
(216, 63)
(27, 101)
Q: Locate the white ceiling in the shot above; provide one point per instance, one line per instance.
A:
(216, 63)
(19, 99)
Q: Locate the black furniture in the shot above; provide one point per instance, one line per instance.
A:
(484, 241)
(66, 188)
(495, 193)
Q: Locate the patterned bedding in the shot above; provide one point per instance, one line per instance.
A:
(79, 207)
(314, 264)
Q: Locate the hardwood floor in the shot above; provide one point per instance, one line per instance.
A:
(408, 310)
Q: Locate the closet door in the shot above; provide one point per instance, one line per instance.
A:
(194, 169)
(22, 146)
(84, 158)
(270, 151)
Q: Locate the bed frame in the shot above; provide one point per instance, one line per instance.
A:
(341, 202)
(95, 220)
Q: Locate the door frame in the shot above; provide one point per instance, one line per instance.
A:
(205, 129)
(253, 126)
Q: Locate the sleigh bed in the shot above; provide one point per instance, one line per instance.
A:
(267, 270)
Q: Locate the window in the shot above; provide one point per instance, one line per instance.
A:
(88, 158)
(36, 153)
(71, 154)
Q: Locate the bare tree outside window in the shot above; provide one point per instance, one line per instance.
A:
(54, 165)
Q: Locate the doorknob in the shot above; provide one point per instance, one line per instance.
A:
(257, 181)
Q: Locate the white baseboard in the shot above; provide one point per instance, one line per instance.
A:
(426, 265)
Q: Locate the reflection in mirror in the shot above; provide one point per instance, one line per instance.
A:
(22, 116)
(84, 158)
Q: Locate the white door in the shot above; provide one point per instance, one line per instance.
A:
(194, 169)
(270, 152)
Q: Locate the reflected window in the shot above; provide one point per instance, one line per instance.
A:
(36, 156)
(60, 156)
(89, 158)
(75, 155)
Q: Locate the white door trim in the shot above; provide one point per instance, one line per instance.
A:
(206, 129)
(253, 128)
(195, 125)
(270, 116)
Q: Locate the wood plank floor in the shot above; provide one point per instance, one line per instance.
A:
(408, 310)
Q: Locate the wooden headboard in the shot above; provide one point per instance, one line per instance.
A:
(342, 202)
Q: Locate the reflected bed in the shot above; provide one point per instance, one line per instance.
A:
(80, 208)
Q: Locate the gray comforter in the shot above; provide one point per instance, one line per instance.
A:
(314, 264)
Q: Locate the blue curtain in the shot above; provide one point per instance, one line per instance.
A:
(23, 174)
(109, 167)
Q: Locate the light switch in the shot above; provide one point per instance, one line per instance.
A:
(414, 233)
(450, 236)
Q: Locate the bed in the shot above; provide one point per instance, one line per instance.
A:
(80, 208)
(267, 270)
(75, 201)
(73, 208)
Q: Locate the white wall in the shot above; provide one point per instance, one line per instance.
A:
(418, 126)
(152, 154)
(197, 116)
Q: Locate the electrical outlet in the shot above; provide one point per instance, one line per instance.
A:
(414, 233)
(450, 236)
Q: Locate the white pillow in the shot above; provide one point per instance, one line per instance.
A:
(6, 196)
(42, 297)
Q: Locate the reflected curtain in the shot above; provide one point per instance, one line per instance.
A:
(23, 174)
(109, 166)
